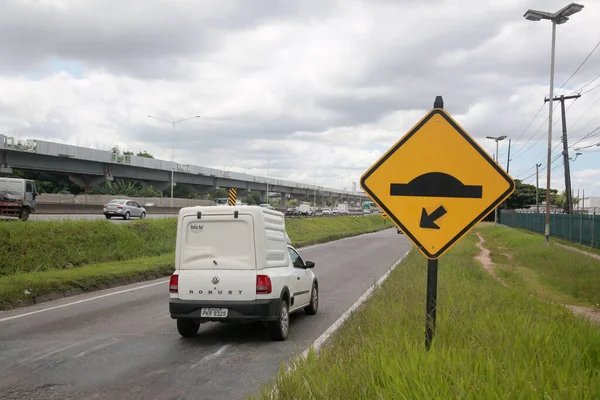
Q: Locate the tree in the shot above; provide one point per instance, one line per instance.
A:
(522, 197)
(145, 154)
(217, 194)
(50, 182)
(251, 198)
(123, 187)
(292, 203)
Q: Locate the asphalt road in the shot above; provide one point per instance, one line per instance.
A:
(124, 345)
(47, 217)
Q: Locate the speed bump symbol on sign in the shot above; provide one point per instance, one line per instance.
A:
(436, 183)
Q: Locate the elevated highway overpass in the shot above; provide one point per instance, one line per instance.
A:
(89, 167)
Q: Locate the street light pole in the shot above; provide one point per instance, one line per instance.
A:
(559, 17)
(173, 123)
(496, 139)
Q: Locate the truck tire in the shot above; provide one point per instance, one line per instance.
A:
(24, 214)
(280, 328)
(312, 308)
(187, 328)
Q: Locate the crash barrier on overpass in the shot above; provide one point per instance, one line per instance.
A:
(100, 200)
(66, 209)
(577, 228)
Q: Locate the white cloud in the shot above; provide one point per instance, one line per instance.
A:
(285, 88)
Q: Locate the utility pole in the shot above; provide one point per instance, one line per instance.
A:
(496, 139)
(569, 205)
(537, 184)
(508, 159)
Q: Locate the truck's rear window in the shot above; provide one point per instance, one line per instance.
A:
(231, 238)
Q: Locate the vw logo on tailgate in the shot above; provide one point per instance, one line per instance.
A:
(215, 280)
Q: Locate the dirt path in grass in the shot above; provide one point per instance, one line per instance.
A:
(486, 261)
(587, 253)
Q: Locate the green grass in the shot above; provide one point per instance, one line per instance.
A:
(553, 273)
(583, 247)
(491, 343)
(48, 245)
(13, 287)
(306, 231)
(112, 253)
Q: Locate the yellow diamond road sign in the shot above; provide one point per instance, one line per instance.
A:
(436, 183)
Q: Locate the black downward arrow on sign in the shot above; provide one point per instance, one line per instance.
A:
(428, 220)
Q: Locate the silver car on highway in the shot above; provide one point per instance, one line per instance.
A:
(124, 208)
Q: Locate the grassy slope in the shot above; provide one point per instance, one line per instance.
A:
(48, 245)
(63, 277)
(491, 342)
(553, 274)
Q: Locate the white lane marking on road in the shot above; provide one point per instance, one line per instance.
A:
(82, 301)
(312, 246)
(96, 348)
(317, 344)
(211, 356)
(61, 349)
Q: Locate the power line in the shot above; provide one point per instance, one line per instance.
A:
(524, 150)
(587, 84)
(580, 65)
(589, 90)
(587, 147)
(554, 109)
(528, 125)
(586, 136)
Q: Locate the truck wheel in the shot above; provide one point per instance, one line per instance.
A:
(187, 328)
(24, 215)
(312, 308)
(280, 328)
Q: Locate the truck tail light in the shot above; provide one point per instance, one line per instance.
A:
(174, 284)
(263, 284)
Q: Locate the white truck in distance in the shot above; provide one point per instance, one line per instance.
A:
(237, 264)
(17, 197)
(305, 209)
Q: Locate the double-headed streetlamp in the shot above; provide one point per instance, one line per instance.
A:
(557, 18)
(173, 123)
(497, 139)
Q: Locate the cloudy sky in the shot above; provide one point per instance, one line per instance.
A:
(297, 89)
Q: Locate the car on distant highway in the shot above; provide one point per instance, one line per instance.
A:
(291, 211)
(124, 208)
(326, 211)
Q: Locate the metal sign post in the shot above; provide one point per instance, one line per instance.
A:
(436, 183)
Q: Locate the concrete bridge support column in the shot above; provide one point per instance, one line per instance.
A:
(5, 169)
(87, 181)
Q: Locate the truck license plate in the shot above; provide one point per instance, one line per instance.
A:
(214, 312)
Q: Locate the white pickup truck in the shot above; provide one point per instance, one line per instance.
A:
(237, 264)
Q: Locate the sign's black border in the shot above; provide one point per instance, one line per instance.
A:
(475, 145)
